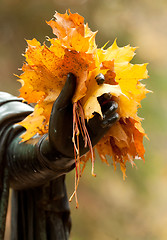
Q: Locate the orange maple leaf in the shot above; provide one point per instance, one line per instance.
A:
(75, 50)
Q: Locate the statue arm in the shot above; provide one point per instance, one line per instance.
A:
(28, 167)
(44, 158)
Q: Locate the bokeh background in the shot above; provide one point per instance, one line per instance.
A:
(109, 208)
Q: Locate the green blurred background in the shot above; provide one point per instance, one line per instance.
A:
(109, 208)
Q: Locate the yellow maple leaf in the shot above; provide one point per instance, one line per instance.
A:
(74, 50)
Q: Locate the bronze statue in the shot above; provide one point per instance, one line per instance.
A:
(36, 169)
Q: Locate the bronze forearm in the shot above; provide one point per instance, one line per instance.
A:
(32, 165)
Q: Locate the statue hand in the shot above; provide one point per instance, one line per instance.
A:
(61, 121)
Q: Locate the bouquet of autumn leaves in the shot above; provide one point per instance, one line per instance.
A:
(74, 50)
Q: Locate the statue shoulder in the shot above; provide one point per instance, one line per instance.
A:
(7, 97)
(12, 107)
